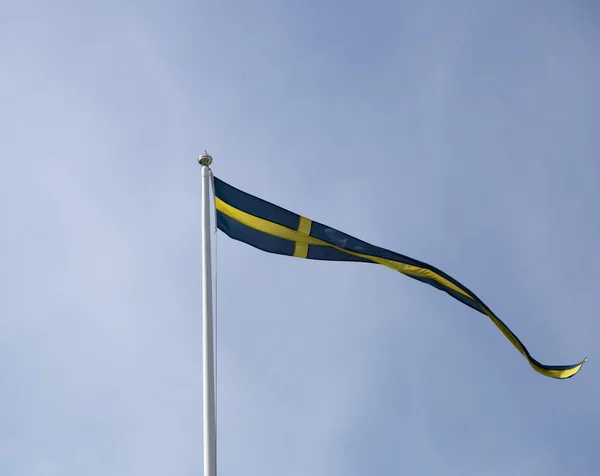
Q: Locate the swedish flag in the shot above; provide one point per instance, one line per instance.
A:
(273, 229)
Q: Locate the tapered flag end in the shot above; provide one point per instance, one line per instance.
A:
(576, 369)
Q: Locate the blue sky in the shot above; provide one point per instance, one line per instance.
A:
(463, 135)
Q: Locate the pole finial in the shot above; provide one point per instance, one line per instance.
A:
(205, 159)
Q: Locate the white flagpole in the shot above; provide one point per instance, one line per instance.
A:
(208, 358)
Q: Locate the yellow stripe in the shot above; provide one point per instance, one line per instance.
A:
(304, 226)
(300, 248)
(302, 239)
(265, 226)
(281, 231)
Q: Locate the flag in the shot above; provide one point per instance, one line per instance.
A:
(271, 228)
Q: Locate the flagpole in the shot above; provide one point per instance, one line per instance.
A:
(208, 358)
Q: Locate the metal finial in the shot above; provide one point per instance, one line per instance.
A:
(205, 159)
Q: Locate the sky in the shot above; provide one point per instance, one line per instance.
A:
(462, 135)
